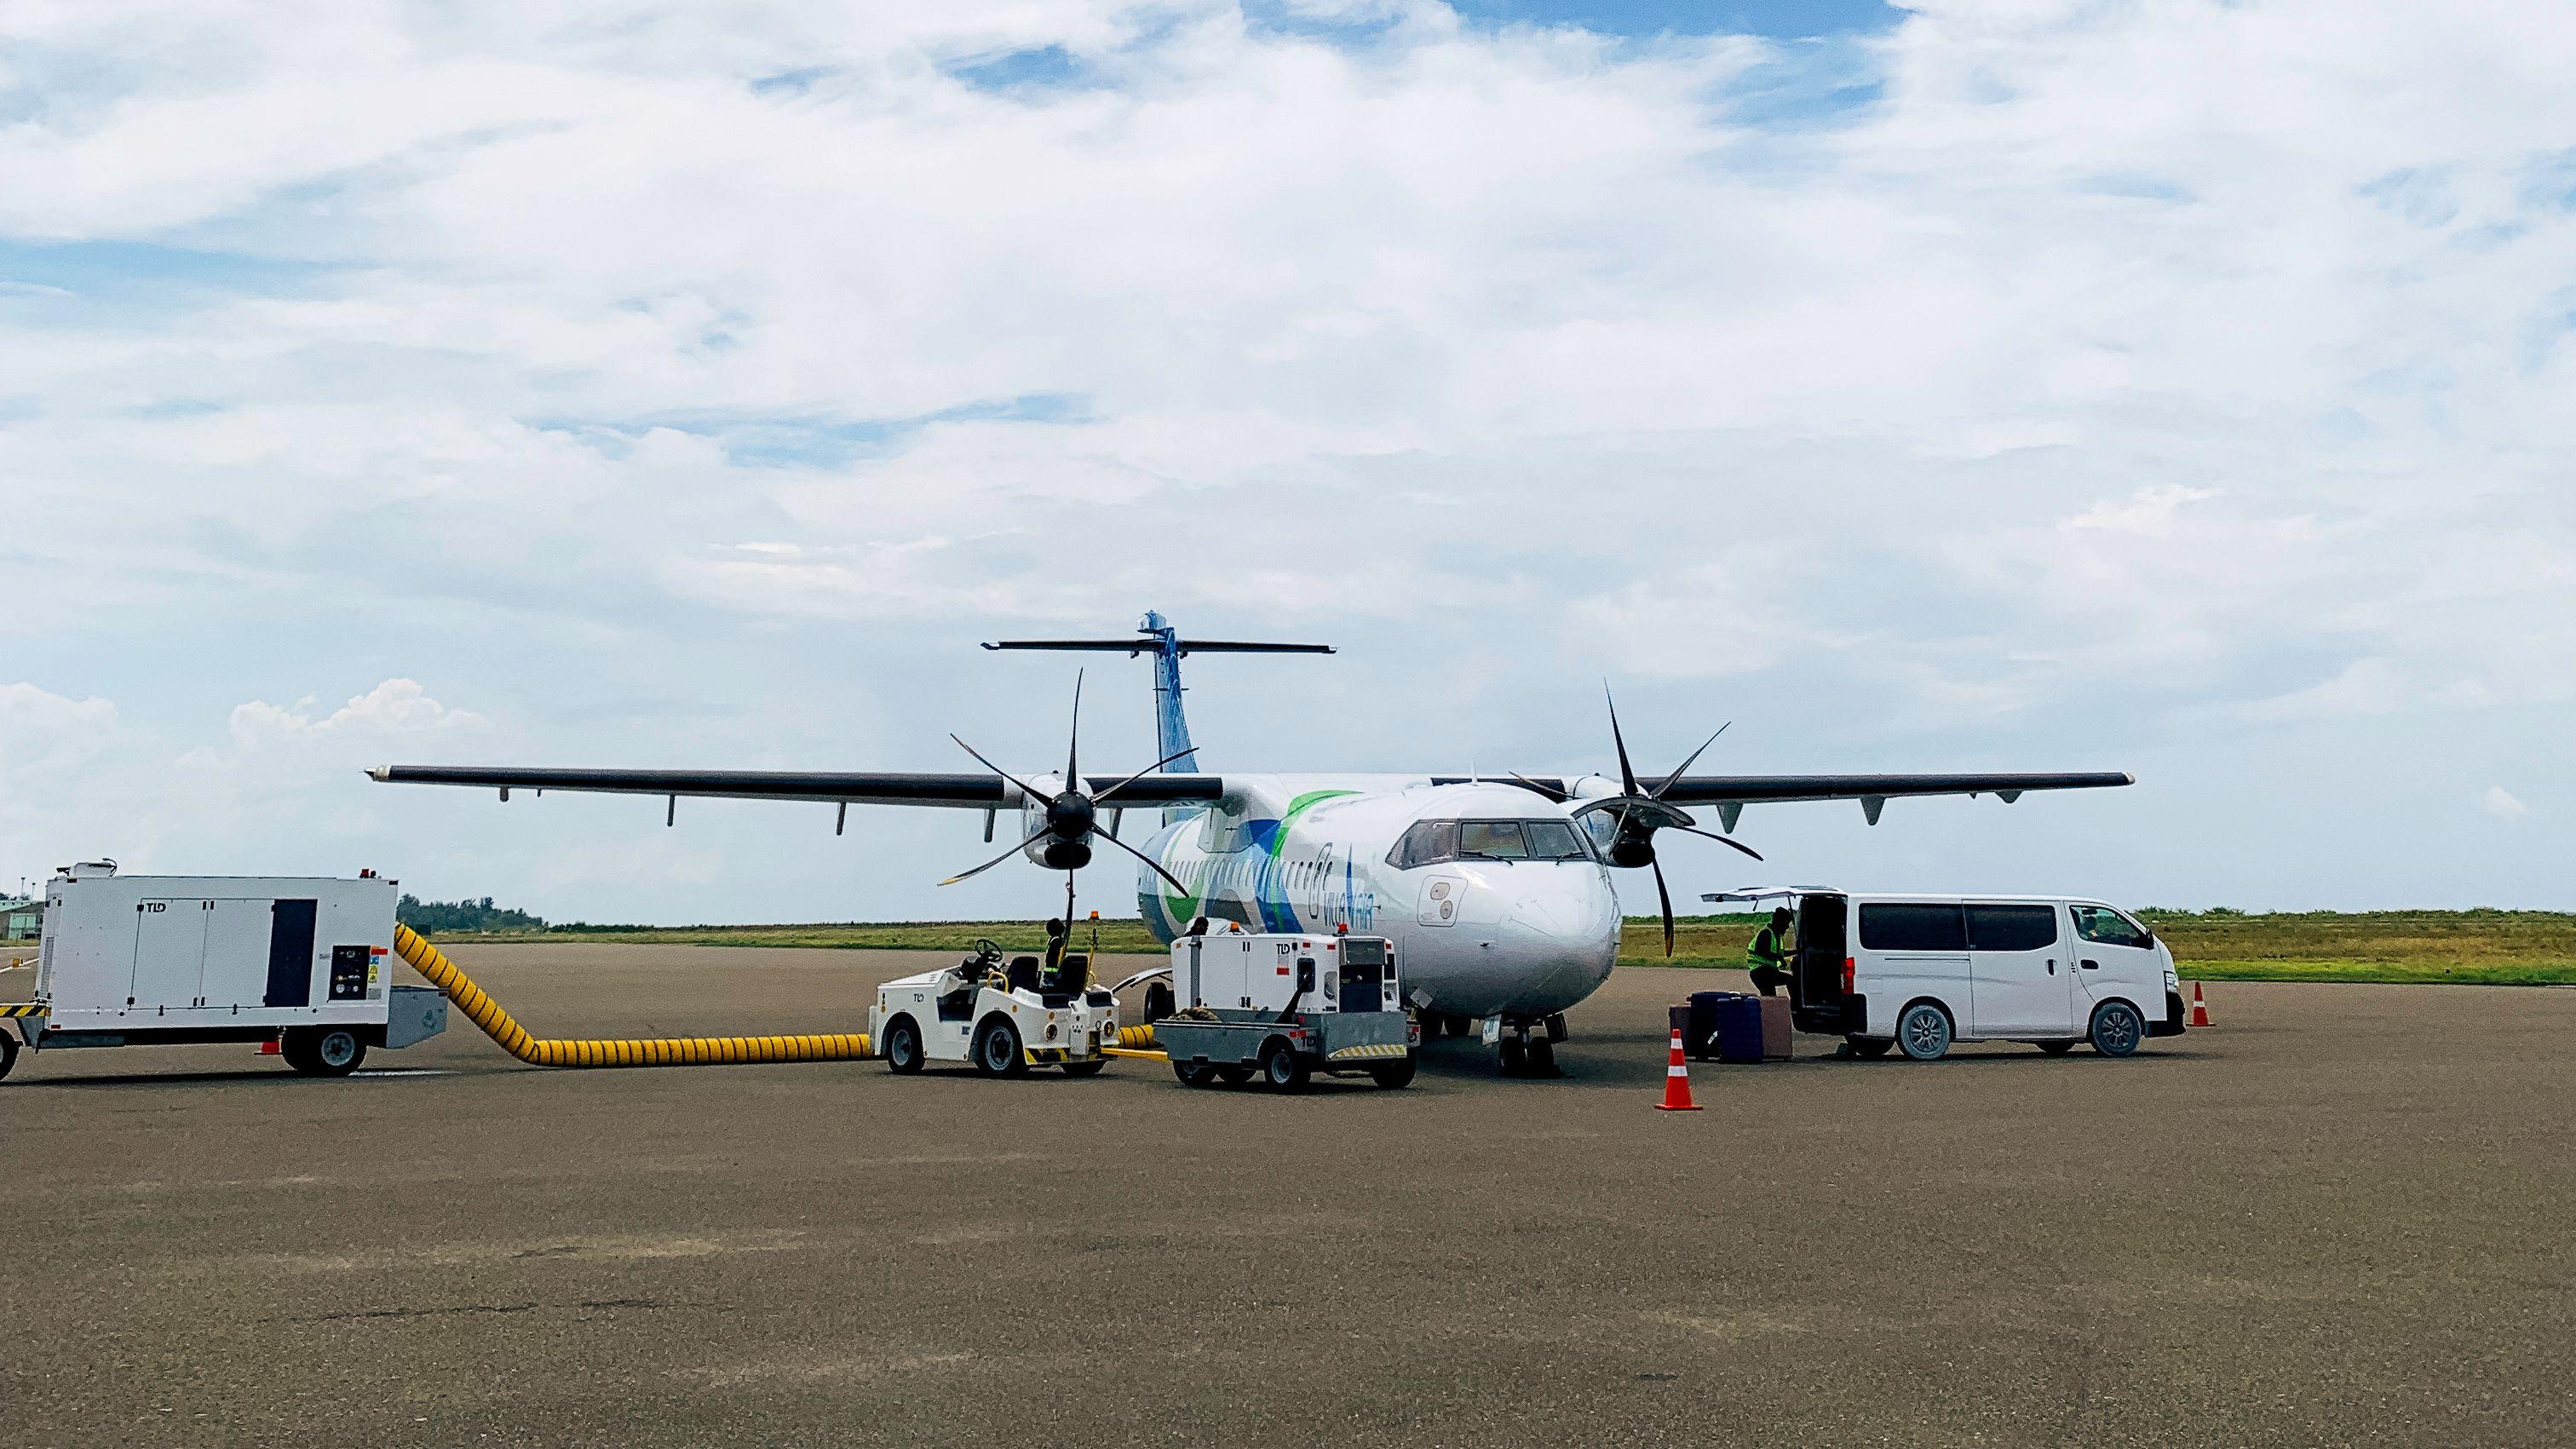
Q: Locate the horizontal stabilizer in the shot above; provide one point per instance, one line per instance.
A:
(1146, 643)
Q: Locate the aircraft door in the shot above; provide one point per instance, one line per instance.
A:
(2021, 980)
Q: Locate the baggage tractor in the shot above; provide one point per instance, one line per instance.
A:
(1739, 1029)
(1777, 1028)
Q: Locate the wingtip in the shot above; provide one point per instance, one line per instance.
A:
(380, 773)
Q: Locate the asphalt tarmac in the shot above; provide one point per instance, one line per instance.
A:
(2343, 1216)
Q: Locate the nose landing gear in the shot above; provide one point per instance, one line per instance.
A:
(1527, 1048)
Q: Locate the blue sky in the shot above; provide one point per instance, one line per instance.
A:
(1940, 388)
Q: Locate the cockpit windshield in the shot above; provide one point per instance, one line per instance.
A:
(1430, 842)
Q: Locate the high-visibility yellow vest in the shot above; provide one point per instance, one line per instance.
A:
(1766, 950)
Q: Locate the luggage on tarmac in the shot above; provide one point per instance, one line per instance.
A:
(1739, 1029)
(1699, 1029)
(1777, 1029)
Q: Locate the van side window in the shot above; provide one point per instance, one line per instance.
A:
(2011, 928)
(1891, 926)
(2109, 927)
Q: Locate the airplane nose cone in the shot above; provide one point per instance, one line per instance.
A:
(1573, 923)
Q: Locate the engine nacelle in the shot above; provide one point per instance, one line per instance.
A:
(1058, 833)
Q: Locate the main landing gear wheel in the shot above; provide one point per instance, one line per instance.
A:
(997, 1049)
(1923, 1032)
(1867, 1048)
(903, 1046)
(2056, 1048)
(328, 1051)
(2117, 1029)
(1194, 1074)
(1393, 1074)
(1083, 1069)
(1282, 1070)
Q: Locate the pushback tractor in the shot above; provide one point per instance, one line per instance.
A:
(1285, 1007)
(1004, 1017)
(295, 963)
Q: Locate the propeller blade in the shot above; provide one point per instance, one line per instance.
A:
(1073, 743)
(1156, 865)
(1666, 896)
(1026, 788)
(1675, 777)
(1627, 772)
(996, 860)
(1140, 774)
(1720, 839)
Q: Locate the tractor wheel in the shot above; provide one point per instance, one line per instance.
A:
(998, 1052)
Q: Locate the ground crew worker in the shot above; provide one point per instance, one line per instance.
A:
(1768, 957)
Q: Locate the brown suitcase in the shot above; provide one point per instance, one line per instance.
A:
(1777, 1030)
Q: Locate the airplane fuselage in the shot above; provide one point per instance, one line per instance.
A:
(1517, 937)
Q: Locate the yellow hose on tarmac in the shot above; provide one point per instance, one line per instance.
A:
(686, 1051)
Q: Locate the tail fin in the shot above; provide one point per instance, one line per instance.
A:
(1156, 636)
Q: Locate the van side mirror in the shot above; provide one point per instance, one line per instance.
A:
(1305, 973)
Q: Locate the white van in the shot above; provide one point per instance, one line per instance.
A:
(1918, 972)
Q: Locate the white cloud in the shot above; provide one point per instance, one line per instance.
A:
(2502, 805)
(2125, 375)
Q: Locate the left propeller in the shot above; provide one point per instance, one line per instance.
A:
(1072, 814)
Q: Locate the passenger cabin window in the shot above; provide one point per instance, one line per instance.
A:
(2108, 927)
(1429, 842)
(2011, 928)
(1892, 926)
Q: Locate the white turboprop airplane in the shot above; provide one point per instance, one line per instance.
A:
(1496, 892)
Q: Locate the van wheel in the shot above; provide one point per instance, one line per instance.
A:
(1923, 1032)
(2055, 1048)
(1868, 1048)
(997, 1049)
(903, 1046)
(1282, 1070)
(2117, 1029)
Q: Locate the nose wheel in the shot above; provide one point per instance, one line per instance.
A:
(1528, 1049)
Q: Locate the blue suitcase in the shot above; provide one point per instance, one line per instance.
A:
(1739, 1029)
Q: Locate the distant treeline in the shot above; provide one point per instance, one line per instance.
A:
(431, 917)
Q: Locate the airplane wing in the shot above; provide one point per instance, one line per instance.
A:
(964, 790)
(1754, 789)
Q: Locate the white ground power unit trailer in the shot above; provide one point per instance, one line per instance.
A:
(157, 960)
(1004, 1017)
(1285, 1007)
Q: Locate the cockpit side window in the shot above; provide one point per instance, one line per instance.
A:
(1552, 840)
(1428, 842)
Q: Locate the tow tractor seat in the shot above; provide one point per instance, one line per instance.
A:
(1023, 972)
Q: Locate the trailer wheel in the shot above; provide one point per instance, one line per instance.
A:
(1923, 1030)
(1194, 1074)
(903, 1045)
(326, 1051)
(8, 1052)
(1393, 1074)
(2117, 1029)
(1282, 1070)
(997, 1049)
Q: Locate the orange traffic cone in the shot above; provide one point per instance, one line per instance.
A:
(2199, 1008)
(1677, 1081)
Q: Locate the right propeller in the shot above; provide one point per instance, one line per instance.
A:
(1636, 813)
